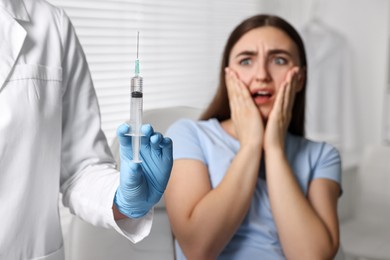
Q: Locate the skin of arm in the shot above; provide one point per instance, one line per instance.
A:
(307, 226)
(117, 214)
(204, 219)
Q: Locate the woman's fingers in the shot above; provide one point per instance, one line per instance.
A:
(282, 108)
(243, 111)
(237, 91)
(289, 92)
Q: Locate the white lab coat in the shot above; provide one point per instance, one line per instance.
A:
(50, 135)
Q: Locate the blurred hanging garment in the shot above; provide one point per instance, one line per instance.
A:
(330, 95)
(387, 114)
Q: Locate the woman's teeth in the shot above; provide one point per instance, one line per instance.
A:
(262, 94)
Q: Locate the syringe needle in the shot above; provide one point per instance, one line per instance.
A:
(137, 43)
(137, 60)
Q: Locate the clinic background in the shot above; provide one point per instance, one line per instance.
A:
(181, 45)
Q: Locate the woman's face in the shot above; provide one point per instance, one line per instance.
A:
(261, 59)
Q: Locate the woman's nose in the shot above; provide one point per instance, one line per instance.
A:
(262, 73)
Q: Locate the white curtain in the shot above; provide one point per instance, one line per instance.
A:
(180, 49)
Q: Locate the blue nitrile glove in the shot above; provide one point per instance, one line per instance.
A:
(142, 184)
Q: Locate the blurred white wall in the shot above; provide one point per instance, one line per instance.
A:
(366, 24)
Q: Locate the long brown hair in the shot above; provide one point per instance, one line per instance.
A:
(219, 107)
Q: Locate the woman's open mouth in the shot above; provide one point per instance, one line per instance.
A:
(262, 96)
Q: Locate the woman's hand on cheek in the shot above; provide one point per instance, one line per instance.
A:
(280, 116)
(245, 115)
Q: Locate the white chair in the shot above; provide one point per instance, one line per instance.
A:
(366, 235)
(87, 242)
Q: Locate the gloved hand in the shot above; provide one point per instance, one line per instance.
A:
(142, 184)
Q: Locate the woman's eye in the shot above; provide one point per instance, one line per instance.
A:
(246, 61)
(280, 61)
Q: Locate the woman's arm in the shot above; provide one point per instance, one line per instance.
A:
(204, 219)
(307, 227)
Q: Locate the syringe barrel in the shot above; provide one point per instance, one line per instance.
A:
(136, 104)
(136, 84)
(136, 113)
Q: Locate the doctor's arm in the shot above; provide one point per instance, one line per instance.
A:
(89, 180)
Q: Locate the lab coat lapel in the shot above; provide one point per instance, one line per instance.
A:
(12, 36)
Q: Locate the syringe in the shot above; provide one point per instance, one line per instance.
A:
(136, 109)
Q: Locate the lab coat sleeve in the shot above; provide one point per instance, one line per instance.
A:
(88, 176)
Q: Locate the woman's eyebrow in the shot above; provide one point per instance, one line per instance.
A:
(247, 53)
(279, 51)
(270, 52)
